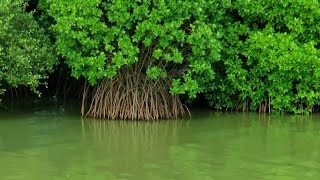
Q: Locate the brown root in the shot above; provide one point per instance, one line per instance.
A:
(133, 96)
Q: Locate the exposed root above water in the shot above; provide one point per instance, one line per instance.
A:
(133, 96)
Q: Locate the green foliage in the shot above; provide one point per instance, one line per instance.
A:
(271, 57)
(174, 40)
(26, 55)
(250, 55)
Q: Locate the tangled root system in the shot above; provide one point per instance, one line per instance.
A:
(132, 96)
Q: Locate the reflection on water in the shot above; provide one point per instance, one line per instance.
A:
(60, 145)
(133, 147)
(140, 136)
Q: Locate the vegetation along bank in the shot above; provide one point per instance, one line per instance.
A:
(148, 59)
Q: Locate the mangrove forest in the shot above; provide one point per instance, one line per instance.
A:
(154, 59)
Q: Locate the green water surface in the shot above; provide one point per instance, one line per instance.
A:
(53, 143)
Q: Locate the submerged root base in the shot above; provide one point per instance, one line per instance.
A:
(134, 97)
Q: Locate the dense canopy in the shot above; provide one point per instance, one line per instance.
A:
(140, 57)
(26, 54)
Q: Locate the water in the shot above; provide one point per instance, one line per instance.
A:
(55, 143)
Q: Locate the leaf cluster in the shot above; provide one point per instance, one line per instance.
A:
(26, 55)
(173, 40)
(270, 57)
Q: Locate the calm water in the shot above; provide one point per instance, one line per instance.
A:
(55, 143)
